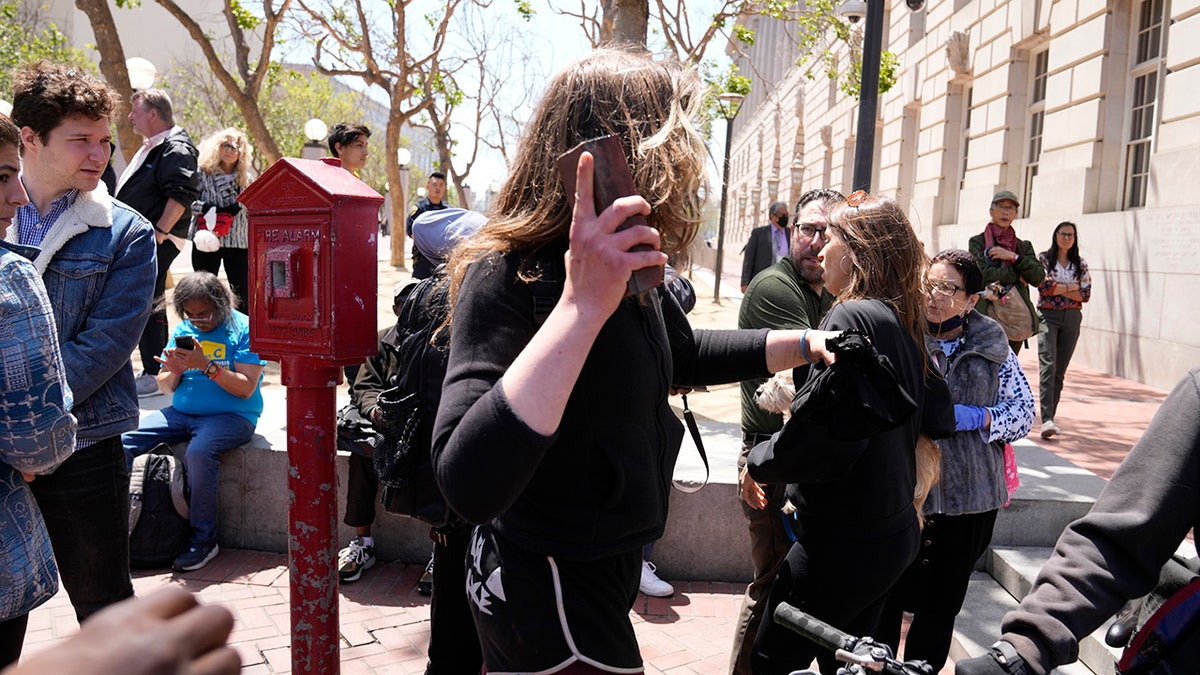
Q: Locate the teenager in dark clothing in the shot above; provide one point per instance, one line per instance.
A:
(856, 524)
(434, 200)
(557, 439)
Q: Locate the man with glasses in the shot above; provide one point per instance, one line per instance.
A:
(217, 400)
(789, 294)
(767, 244)
(160, 182)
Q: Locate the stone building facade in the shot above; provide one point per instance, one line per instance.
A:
(1086, 109)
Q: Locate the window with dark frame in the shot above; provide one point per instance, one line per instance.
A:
(1037, 121)
(1146, 75)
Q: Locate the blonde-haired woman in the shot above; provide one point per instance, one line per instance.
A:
(220, 230)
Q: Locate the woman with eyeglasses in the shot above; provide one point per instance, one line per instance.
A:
(1061, 295)
(215, 379)
(1008, 263)
(220, 230)
(993, 405)
(852, 469)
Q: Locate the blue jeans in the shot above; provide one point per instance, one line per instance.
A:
(208, 437)
(85, 504)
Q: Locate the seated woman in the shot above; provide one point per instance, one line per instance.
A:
(993, 405)
(851, 469)
(554, 432)
(216, 379)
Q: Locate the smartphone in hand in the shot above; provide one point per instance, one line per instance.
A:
(611, 180)
(185, 342)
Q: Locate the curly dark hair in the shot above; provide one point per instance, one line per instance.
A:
(9, 133)
(45, 92)
(965, 263)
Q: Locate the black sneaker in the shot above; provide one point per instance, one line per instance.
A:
(355, 559)
(197, 556)
(425, 583)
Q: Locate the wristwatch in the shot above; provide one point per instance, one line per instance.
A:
(212, 369)
(1006, 655)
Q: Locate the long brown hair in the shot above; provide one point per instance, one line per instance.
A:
(887, 259)
(650, 105)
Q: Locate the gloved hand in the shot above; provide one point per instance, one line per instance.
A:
(989, 663)
(969, 417)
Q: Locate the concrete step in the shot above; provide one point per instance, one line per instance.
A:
(978, 624)
(705, 538)
(1013, 570)
(1053, 493)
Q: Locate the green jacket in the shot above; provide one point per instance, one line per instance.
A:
(1027, 270)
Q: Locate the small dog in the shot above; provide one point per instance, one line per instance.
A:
(776, 394)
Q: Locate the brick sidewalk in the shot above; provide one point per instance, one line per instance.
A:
(385, 622)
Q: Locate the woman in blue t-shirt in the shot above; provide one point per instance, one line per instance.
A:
(215, 379)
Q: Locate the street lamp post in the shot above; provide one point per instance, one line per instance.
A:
(142, 73)
(868, 103)
(403, 158)
(314, 130)
(730, 103)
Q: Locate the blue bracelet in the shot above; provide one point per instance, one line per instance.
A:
(804, 346)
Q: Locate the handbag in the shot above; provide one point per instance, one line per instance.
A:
(1012, 477)
(1007, 307)
(1009, 310)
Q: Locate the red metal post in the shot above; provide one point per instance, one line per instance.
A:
(312, 513)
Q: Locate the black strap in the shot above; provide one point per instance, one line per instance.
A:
(690, 420)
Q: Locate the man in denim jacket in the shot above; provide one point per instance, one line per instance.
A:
(97, 260)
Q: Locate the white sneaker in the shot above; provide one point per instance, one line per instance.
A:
(146, 384)
(651, 585)
(1049, 428)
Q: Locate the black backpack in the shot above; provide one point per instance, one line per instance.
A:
(403, 456)
(408, 407)
(159, 529)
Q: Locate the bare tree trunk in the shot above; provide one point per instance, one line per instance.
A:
(630, 22)
(112, 67)
(246, 92)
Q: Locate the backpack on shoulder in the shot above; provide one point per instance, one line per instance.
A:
(403, 457)
(159, 529)
(403, 460)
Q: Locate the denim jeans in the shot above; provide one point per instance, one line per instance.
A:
(1056, 345)
(208, 436)
(85, 504)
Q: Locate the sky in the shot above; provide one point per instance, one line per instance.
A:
(551, 41)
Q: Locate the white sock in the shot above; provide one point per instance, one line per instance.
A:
(366, 540)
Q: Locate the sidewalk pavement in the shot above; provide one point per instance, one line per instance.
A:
(385, 623)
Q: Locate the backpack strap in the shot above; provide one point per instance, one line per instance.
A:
(137, 478)
(179, 497)
(545, 296)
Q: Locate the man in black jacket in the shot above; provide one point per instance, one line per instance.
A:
(434, 200)
(160, 183)
(767, 244)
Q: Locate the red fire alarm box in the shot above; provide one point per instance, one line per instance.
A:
(314, 236)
